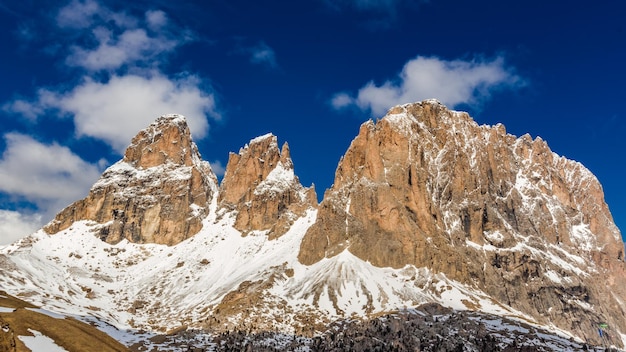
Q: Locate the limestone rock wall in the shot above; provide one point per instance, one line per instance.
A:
(428, 187)
(158, 193)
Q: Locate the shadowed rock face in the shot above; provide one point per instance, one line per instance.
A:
(429, 187)
(260, 185)
(158, 193)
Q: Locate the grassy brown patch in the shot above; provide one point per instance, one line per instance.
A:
(69, 333)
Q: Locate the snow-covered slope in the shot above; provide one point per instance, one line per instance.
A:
(159, 287)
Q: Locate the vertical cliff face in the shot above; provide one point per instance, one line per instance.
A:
(427, 186)
(158, 193)
(260, 185)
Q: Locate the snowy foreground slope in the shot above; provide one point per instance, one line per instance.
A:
(156, 288)
(427, 208)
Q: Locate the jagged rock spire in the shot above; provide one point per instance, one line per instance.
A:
(158, 193)
(260, 185)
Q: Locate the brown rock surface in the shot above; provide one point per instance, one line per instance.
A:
(428, 187)
(7, 337)
(158, 193)
(260, 185)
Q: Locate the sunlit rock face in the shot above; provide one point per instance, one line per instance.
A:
(260, 185)
(427, 206)
(429, 187)
(158, 193)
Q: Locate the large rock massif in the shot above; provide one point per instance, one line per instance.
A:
(428, 187)
(426, 207)
(158, 193)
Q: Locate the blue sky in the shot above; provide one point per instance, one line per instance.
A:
(80, 78)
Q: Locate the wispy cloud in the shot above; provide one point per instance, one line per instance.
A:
(259, 53)
(84, 14)
(377, 14)
(110, 40)
(452, 82)
(264, 55)
(78, 14)
(113, 51)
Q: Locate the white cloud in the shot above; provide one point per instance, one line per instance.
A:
(28, 109)
(132, 46)
(129, 90)
(109, 40)
(49, 175)
(25, 108)
(115, 110)
(84, 14)
(341, 100)
(451, 82)
(156, 19)
(43, 172)
(15, 225)
(218, 168)
(98, 38)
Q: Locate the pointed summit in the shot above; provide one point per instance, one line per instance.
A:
(261, 186)
(158, 193)
(166, 140)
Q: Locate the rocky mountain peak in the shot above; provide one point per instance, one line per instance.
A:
(166, 140)
(429, 187)
(158, 193)
(261, 186)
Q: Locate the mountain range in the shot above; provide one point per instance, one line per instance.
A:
(431, 218)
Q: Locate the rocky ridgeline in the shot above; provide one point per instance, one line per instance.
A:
(424, 186)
